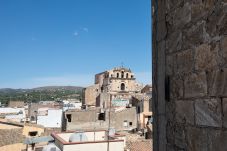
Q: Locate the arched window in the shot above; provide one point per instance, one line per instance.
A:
(122, 87)
(117, 75)
(122, 74)
(127, 75)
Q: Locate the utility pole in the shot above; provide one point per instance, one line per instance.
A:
(108, 141)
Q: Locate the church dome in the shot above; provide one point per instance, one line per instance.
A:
(50, 147)
(78, 137)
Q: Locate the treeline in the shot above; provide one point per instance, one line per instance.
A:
(43, 95)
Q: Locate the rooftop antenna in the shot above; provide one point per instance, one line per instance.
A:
(122, 64)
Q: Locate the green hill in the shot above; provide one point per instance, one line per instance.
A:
(47, 93)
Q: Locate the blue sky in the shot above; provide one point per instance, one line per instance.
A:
(65, 42)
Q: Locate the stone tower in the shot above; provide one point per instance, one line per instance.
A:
(190, 75)
(118, 82)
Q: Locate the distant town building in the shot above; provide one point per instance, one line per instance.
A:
(14, 114)
(70, 105)
(16, 104)
(119, 83)
(99, 140)
(120, 118)
(117, 90)
(34, 107)
(49, 117)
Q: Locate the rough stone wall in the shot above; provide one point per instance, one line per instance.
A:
(16, 104)
(91, 94)
(88, 120)
(119, 117)
(11, 136)
(190, 75)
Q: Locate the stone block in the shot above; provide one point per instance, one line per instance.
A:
(195, 85)
(169, 64)
(170, 109)
(173, 4)
(217, 140)
(224, 106)
(208, 112)
(206, 57)
(223, 50)
(222, 28)
(217, 83)
(183, 15)
(184, 62)
(180, 136)
(194, 36)
(201, 8)
(185, 112)
(176, 87)
(216, 21)
(174, 41)
(179, 17)
(197, 139)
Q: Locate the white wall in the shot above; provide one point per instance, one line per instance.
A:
(15, 116)
(113, 146)
(99, 136)
(52, 120)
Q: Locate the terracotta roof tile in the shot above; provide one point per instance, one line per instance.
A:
(140, 146)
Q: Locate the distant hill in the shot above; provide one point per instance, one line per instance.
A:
(54, 88)
(41, 93)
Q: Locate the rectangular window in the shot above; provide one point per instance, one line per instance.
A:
(101, 116)
(130, 123)
(69, 117)
(125, 124)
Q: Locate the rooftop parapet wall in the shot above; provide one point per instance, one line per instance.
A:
(11, 136)
(190, 74)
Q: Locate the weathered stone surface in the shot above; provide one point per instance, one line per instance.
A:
(216, 21)
(197, 10)
(170, 108)
(11, 136)
(217, 140)
(222, 28)
(217, 83)
(200, 8)
(208, 112)
(224, 112)
(169, 64)
(194, 36)
(179, 17)
(180, 136)
(197, 139)
(174, 41)
(183, 15)
(195, 85)
(176, 87)
(196, 62)
(206, 57)
(185, 112)
(223, 50)
(184, 62)
(173, 4)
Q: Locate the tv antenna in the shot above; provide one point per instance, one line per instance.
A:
(122, 64)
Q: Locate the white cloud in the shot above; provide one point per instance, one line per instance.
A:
(75, 33)
(85, 29)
